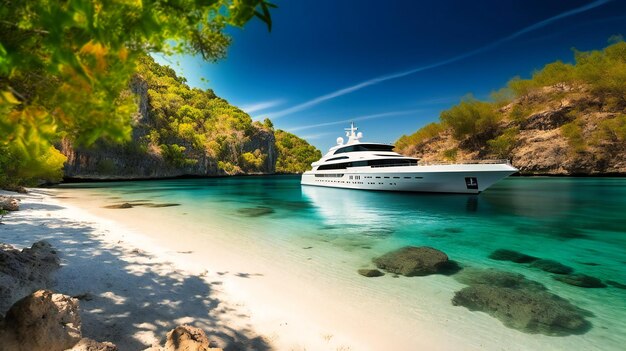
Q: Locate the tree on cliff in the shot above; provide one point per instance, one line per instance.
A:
(582, 105)
(63, 65)
(295, 155)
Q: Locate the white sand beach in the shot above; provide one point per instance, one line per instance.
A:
(140, 287)
(145, 273)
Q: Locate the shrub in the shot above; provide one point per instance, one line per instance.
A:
(428, 131)
(573, 133)
(450, 154)
(611, 130)
(502, 145)
(174, 154)
(470, 117)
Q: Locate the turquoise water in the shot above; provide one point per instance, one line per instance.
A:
(579, 222)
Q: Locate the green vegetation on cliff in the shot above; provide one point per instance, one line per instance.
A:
(180, 130)
(64, 65)
(584, 103)
(295, 155)
(187, 125)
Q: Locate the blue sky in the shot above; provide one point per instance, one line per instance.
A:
(392, 66)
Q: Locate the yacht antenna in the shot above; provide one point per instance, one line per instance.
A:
(350, 132)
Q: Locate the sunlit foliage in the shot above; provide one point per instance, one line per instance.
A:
(64, 64)
(470, 117)
(427, 132)
(295, 155)
(502, 145)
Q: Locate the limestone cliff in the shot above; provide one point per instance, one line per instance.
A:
(178, 130)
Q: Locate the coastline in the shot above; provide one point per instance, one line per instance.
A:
(74, 180)
(140, 289)
(150, 269)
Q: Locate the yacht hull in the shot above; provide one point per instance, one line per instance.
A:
(458, 178)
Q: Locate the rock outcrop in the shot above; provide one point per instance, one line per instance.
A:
(9, 203)
(47, 321)
(86, 344)
(203, 138)
(558, 130)
(413, 261)
(42, 321)
(22, 272)
(186, 338)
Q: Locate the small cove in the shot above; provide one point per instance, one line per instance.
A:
(323, 236)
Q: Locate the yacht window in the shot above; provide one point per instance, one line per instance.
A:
(390, 162)
(337, 158)
(364, 147)
(341, 165)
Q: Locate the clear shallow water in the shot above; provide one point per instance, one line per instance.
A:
(580, 222)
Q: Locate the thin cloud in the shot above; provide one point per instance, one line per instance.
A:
(361, 118)
(260, 106)
(316, 136)
(474, 52)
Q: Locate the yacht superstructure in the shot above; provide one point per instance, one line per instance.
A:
(374, 166)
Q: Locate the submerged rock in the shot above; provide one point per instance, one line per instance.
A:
(370, 273)
(519, 303)
(41, 321)
(23, 271)
(494, 277)
(510, 255)
(120, 206)
(530, 311)
(552, 266)
(378, 232)
(569, 234)
(413, 261)
(256, 211)
(580, 280)
(162, 205)
(615, 284)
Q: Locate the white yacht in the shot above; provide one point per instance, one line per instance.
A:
(373, 166)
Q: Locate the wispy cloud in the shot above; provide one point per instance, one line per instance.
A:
(474, 52)
(360, 118)
(316, 136)
(260, 106)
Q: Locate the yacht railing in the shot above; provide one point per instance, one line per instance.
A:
(465, 162)
(395, 165)
(439, 163)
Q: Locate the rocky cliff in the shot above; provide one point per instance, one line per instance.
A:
(568, 119)
(565, 136)
(178, 130)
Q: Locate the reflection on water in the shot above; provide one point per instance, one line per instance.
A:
(366, 208)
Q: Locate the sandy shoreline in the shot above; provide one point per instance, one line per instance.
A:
(151, 269)
(142, 289)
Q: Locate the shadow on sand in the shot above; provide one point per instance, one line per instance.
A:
(129, 293)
